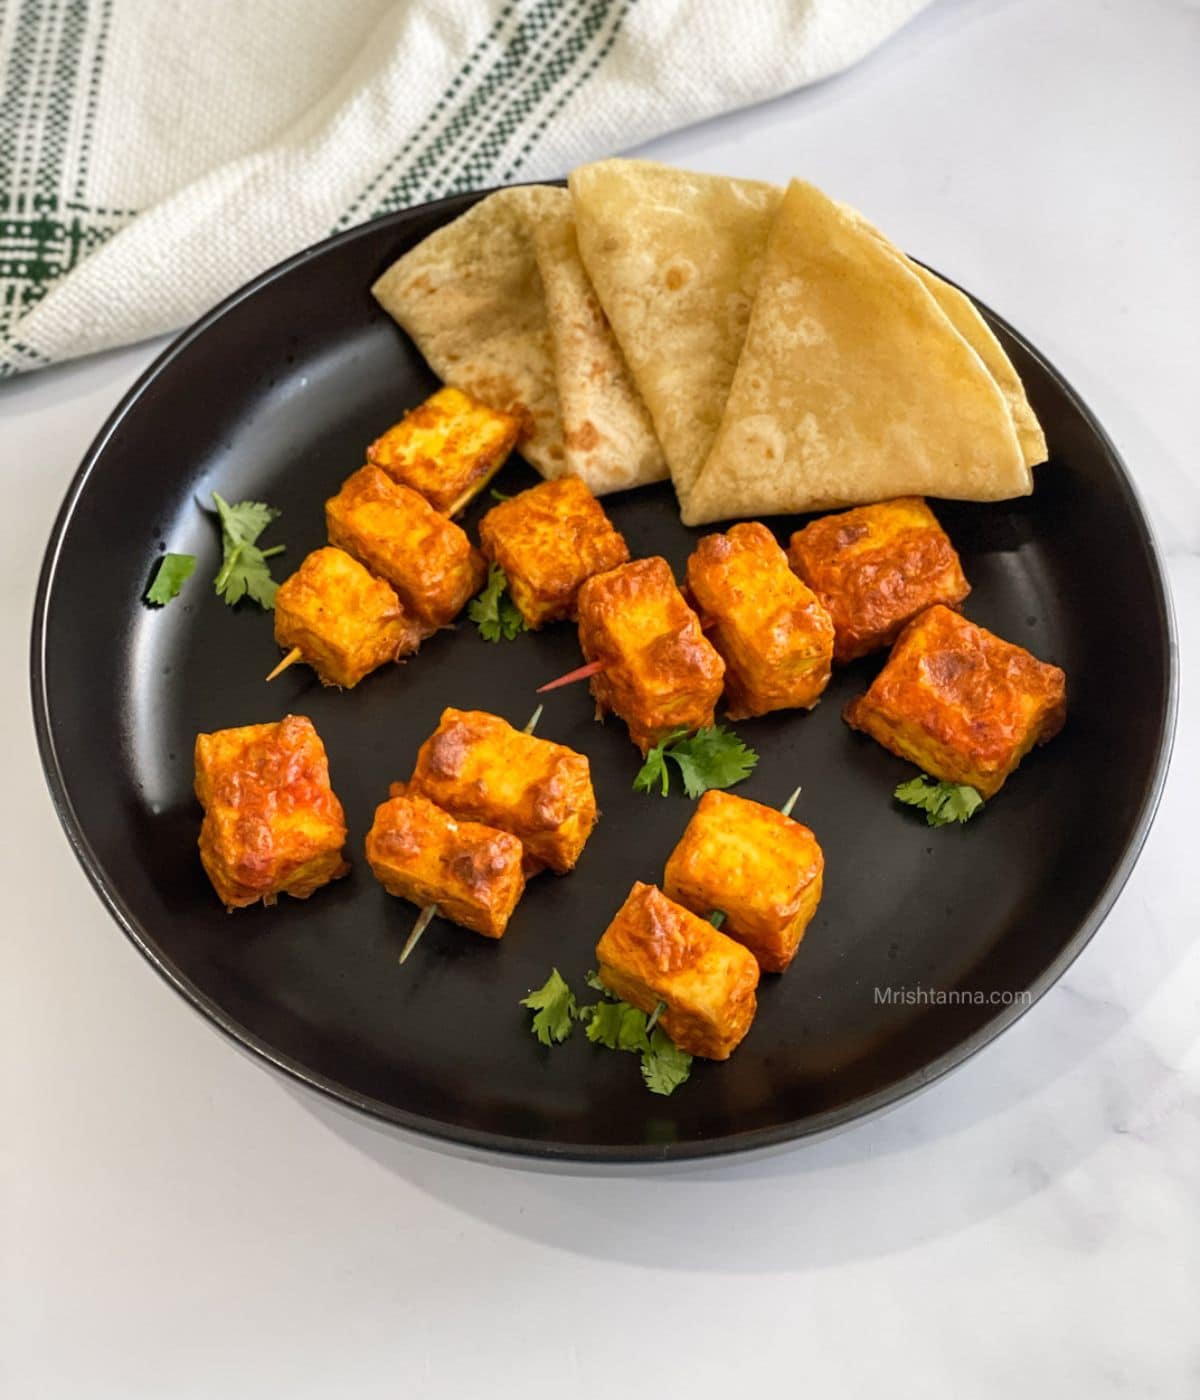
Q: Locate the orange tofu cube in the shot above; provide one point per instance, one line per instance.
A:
(447, 448)
(480, 768)
(345, 621)
(660, 673)
(762, 870)
(398, 535)
(772, 631)
(960, 702)
(548, 540)
(655, 950)
(875, 568)
(272, 824)
(471, 872)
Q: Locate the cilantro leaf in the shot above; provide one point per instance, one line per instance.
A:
(243, 523)
(172, 573)
(664, 1065)
(555, 1006)
(493, 611)
(244, 569)
(713, 757)
(655, 770)
(617, 1026)
(942, 803)
(611, 1023)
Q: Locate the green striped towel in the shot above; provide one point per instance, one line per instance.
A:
(154, 154)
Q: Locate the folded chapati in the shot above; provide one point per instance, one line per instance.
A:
(675, 259)
(962, 314)
(853, 385)
(499, 304)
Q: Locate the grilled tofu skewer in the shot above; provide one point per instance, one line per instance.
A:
(467, 871)
(655, 951)
(272, 822)
(447, 448)
(391, 518)
(654, 667)
(479, 767)
(770, 628)
(406, 881)
(549, 541)
(757, 869)
(334, 614)
(716, 917)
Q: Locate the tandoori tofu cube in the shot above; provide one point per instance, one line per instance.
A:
(272, 824)
(548, 540)
(659, 671)
(477, 766)
(960, 702)
(656, 950)
(447, 448)
(770, 628)
(875, 568)
(344, 620)
(471, 872)
(762, 870)
(398, 535)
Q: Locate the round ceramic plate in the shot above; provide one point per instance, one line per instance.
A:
(927, 943)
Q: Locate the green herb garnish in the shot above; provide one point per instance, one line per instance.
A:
(942, 803)
(664, 1066)
(711, 758)
(244, 569)
(493, 611)
(610, 1023)
(555, 1006)
(169, 578)
(617, 1026)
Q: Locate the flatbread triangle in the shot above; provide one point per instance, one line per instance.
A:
(675, 258)
(852, 385)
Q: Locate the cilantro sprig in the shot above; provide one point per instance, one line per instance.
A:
(711, 758)
(612, 1024)
(555, 1008)
(942, 803)
(664, 1066)
(170, 576)
(493, 611)
(244, 568)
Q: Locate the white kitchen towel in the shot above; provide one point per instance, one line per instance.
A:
(155, 154)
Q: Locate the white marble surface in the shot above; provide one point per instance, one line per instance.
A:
(180, 1222)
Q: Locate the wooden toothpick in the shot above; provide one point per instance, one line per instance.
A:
(424, 919)
(465, 499)
(580, 673)
(289, 660)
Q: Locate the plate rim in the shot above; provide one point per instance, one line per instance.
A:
(515, 1149)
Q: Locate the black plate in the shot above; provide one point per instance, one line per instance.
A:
(273, 396)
